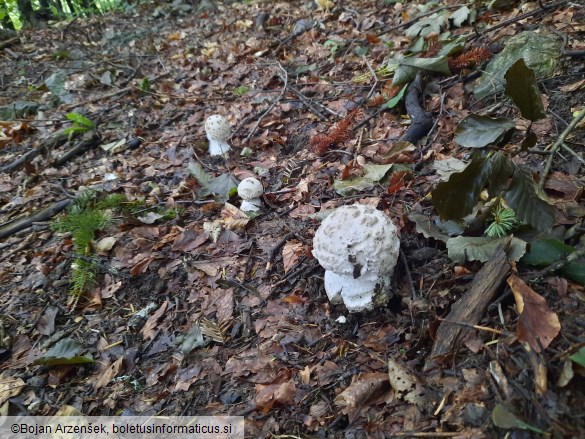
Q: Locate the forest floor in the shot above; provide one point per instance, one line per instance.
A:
(197, 309)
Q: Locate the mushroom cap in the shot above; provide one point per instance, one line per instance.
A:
(217, 127)
(357, 241)
(250, 188)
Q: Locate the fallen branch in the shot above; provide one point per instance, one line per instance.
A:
(471, 307)
(555, 147)
(284, 78)
(559, 264)
(422, 121)
(24, 223)
(89, 139)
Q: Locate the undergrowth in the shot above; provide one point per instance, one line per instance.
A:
(88, 215)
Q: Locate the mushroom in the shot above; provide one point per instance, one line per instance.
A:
(217, 129)
(358, 247)
(250, 190)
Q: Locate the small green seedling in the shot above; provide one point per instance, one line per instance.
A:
(81, 124)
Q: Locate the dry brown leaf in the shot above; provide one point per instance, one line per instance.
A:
(268, 395)
(233, 218)
(291, 253)
(9, 387)
(405, 383)
(149, 329)
(538, 325)
(46, 324)
(225, 305)
(363, 389)
(110, 373)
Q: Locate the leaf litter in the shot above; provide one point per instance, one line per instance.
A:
(200, 309)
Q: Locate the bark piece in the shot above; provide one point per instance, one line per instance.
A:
(470, 308)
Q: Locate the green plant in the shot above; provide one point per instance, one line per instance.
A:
(333, 48)
(145, 85)
(82, 221)
(241, 90)
(504, 221)
(80, 125)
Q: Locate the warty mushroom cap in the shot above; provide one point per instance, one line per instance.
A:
(217, 127)
(250, 188)
(358, 247)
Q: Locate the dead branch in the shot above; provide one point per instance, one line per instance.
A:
(24, 223)
(422, 121)
(470, 308)
(555, 147)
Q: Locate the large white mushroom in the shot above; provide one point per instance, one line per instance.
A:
(217, 129)
(358, 247)
(250, 190)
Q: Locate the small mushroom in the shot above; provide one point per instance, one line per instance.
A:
(358, 247)
(250, 190)
(217, 129)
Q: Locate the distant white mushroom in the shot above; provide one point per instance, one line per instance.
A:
(358, 247)
(217, 129)
(250, 190)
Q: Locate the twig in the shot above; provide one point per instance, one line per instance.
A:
(284, 77)
(24, 223)
(555, 147)
(573, 153)
(275, 249)
(308, 103)
(519, 18)
(408, 275)
(373, 73)
(560, 264)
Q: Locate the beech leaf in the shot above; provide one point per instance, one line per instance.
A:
(522, 87)
(538, 325)
(477, 131)
(523, 195)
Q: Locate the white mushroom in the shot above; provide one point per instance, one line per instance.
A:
(358, 247)
(250, 190)
(217, 129)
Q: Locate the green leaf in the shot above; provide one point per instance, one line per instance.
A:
(64, 352)
(504, 418)
(501, 169)
(221, 185)
(541, 52)
(80, 120)
(465, 248)
(197, 171)
(372, 174)
(522, 87)
(523, 195)
(575, 271)
(460, 15)
(427, 25)
(394, 101)
(56, 82)
(409, 67)
(529, 141)
(456, 197)
(579, 357)
(478, 131)
(546, 251)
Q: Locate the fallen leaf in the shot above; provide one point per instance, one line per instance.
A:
(110, 373)
(46, 324)
(151, 325)
(291, 253)
(538, 325)
(405, 383)
(9, 387)
(364, 388)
